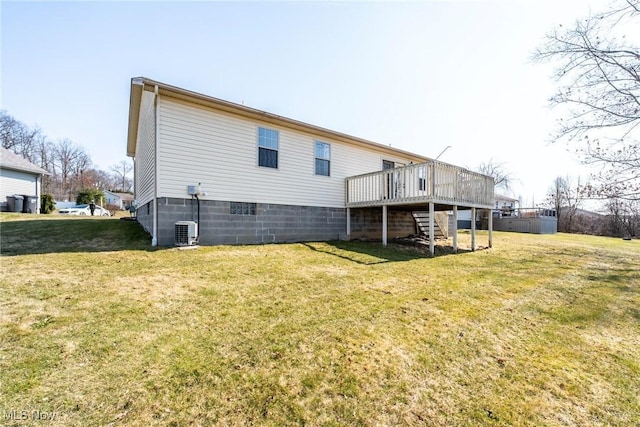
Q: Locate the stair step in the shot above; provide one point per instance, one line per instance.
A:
(422, 220)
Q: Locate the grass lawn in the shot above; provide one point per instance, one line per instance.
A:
(99, 328)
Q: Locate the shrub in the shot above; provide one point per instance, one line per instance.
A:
(112, 208)
(86, 195)
(47, 205)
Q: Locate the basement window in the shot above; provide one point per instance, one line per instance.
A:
(242, 208)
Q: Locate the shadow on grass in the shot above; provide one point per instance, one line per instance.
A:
(42, 236)
(371, 253)
(620, 278)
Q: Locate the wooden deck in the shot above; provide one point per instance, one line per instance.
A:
(421, 183)
(440, 186)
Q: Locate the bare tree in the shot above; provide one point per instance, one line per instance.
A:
(566, 199)
(501, 177)
(98, 178)
(555, 198)
(121, 172)
(8, 127)
(624, 217)
(69, 163)
(18, 137)
(43, 157)
(598, 77)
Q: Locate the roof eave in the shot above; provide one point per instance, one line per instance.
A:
(135, 98)
(241, 110)
(26, 170)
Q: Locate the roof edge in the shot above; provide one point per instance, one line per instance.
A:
(139, 84)
(15, 162)
(135, 98)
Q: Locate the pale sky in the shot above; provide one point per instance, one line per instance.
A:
(419, 76)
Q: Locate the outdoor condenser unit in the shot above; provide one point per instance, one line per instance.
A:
(186, 233)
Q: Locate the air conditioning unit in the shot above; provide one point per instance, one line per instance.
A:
(186, 233)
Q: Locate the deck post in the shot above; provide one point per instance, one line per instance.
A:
(473, 229)
(431, 229)
(348, 223)
(384, 225)
(490, 228)
(455, 229)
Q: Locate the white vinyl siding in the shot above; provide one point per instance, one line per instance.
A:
(20, 183)
(199, 145)
(145, 151)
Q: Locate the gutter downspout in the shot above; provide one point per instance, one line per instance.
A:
(154, 238)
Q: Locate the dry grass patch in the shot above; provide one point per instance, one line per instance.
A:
(539, 330)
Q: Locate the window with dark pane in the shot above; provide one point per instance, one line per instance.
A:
(323, 158)
(268, 146)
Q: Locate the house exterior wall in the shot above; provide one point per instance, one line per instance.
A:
(144, 216)
(117, 200)
(112, 199)
(21, 183)
(145, 159)
(464, 219)
(193, 144)
(219, 150)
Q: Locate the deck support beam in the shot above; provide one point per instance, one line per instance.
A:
(384, 225)
(431, 229)
(455, 229)
(473, 229)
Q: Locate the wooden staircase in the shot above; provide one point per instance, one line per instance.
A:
(440, 224)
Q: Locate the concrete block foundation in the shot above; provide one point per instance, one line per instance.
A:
(271, 223)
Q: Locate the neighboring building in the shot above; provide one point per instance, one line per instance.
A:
(507, 215)
(19, 177)
(528, 220)
(248, 176)
(504, 206)
(121, 200)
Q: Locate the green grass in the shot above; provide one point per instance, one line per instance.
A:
(99, 328)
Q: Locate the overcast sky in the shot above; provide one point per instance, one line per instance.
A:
(419, 76)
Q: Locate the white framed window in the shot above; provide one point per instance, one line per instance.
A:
(268, 147)
(323, 158)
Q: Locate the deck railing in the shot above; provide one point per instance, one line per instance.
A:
(421, 182)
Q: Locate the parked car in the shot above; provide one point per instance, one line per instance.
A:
(84, 210)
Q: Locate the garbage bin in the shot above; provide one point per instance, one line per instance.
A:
(29, 204)
(11, 204)
(18, 203)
